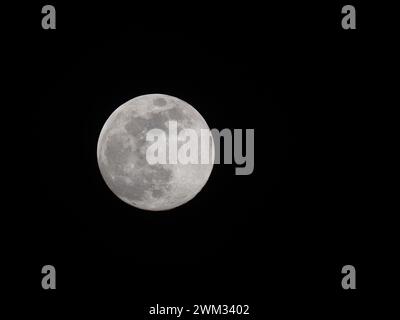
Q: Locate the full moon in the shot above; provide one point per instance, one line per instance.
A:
(122, 146)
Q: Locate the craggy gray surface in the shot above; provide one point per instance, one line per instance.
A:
(121, 154)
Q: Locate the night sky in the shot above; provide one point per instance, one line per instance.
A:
(276, 239)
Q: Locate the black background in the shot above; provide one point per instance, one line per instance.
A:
(276, 239)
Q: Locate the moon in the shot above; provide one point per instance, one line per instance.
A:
(121, 154)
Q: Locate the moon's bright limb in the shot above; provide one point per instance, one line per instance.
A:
(121, 154)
